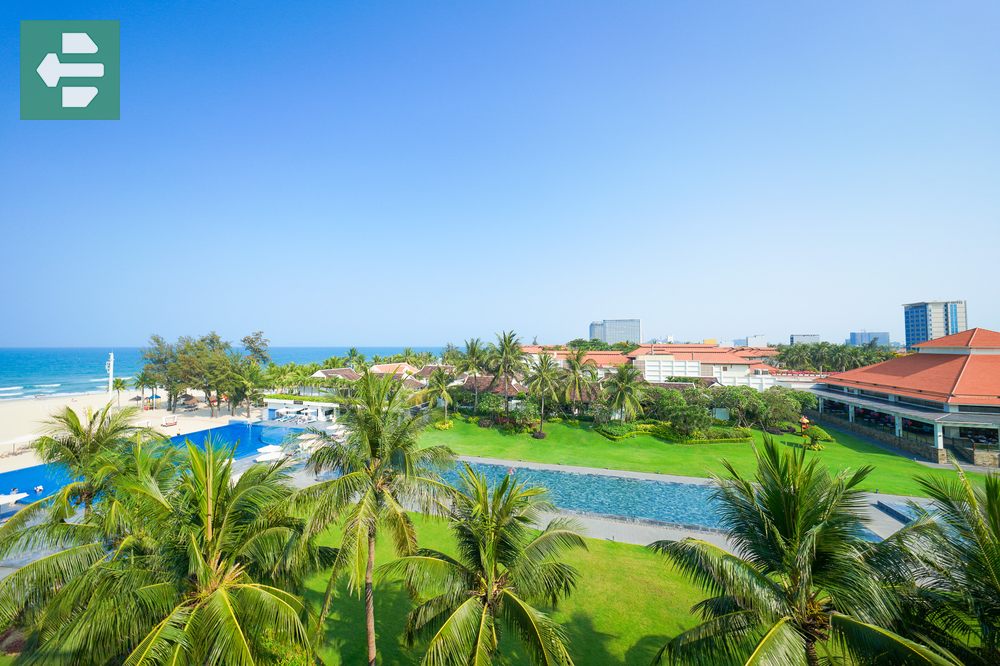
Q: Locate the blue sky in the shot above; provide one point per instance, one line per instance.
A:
(420, 172)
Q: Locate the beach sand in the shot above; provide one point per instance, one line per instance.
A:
(23, 420)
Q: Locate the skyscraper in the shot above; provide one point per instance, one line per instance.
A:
(933, 319)
(616, 330)
(859, 338)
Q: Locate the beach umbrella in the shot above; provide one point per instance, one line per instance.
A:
(154, 397)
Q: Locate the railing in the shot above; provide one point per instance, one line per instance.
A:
(908, 442)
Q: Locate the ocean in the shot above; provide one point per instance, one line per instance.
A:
(44, 371)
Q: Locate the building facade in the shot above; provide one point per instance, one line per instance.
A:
(945, 396)
(616, 330)
(803, 339)
(859, 338)
(929, 320)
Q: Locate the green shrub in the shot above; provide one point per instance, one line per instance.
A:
(617, 431)
(817, 434)
(472, 419)
(554, 419)
(444, 425)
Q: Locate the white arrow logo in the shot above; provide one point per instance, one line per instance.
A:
(51, 70)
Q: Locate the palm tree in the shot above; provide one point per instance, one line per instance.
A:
(625, 389)
(473, 362)
(581, 376)
(956, 567)
(119, 385)
(501, 569)
(180, 563)
(384, 471)
(799, 576)
(142, 381)
(81, 446)
(543, 380)
(508, 363)
(438, 388)
(355, 359)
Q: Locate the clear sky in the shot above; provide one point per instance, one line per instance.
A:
(420, 172)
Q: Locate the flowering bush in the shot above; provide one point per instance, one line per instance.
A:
(444, 425)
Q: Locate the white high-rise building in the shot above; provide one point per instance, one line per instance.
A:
(616, 330)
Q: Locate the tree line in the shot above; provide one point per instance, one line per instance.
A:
(828, 357)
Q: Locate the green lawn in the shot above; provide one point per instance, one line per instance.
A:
(627, 604)
(569, 445)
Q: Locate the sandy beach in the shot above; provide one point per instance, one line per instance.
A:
(23, 420)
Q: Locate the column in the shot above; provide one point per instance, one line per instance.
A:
(820, 405)
(850, 413)
(899, 426)
(938, 436)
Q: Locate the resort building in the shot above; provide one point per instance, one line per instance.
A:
(945, 396)
(933, 319)
(728, 366)
(604, 362)
(349, 374)
(306, 409)
(860, 338)
(393, 369)
(803, 339)
(616, 330)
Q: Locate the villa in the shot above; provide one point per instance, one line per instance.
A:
(729, 366)
(945, 396)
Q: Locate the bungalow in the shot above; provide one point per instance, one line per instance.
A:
(946, 395)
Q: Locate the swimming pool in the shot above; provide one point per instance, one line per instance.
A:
(247, 437)
(685, 504)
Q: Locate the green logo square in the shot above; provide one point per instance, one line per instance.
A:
(70, 70)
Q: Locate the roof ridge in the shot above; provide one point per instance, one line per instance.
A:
(961, 373)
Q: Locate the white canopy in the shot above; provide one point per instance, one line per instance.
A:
(268, 457)
(10, 498)
(270, 448)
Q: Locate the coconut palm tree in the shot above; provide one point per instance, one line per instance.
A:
(79, 444)
(473, 361)
(800, 574)
(625, 389)
(143, 380)
(955, 567)
(501, 570)
(580, 377)
(118, 385)
(355, 359)
(439, 389)
(543, 380)
(180, 563)
(384, 472)
(508, 363)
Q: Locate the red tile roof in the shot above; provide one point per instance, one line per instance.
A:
(392, 369)
(974, 338)
(969, 379)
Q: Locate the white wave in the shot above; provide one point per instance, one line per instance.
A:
(102, 379)
(46, 385)
(7, 396)
(11, 388)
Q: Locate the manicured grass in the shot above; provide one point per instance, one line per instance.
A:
(571, 445)
(628, 602)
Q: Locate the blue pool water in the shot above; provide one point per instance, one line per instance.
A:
(248, 438)
(677, 503)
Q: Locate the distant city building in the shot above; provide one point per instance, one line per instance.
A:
(930, 320)
(878, 338)
(616, 330)
(759, 340)
(803, 339)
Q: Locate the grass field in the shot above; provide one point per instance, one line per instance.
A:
(572, 445)
(627, 604)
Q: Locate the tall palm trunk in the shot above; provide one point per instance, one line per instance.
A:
(541, 420)
(370, 597)
(475, 385)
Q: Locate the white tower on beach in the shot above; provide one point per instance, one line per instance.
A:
(110, 367)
